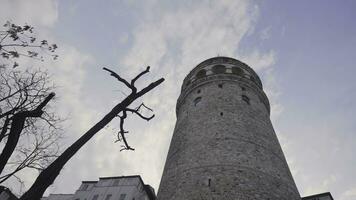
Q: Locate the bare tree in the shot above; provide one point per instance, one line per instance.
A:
(25, 121)
(23, 104)
(48, 175)
(21, 93)
(28, 127)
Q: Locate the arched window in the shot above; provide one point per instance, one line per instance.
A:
(238, 71)
(252, 78)
(188, 82)
(197, 100)
(246, 99)
(201, 73)
(219, 69)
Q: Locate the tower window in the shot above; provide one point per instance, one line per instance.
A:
(238, 71)
(197, 100)
(188, 82)
(220, 85)
(252, 78)
(221, 114)
(201, 73)
(198, 91)
(243, 88)
(219, 69)
(246, 99)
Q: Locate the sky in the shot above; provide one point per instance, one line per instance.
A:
(304, 51)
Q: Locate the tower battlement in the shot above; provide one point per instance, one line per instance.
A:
(222, 69)
(221, 65)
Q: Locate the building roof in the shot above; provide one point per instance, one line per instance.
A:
(318, 195)
(89, 181)
(148, 189)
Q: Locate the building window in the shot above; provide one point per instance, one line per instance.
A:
(201, 73)
(197, 100)
(220, 85)
(243, 88)
(108, 197)
(122, 196)
(219, 69)
(238, 71)
(246, 99)
(116, 182)
(95, 197)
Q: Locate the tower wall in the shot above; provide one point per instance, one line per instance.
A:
(224, 145)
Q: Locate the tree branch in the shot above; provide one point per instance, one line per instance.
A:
(122, 132)
(139, 114)
(112, 73)
(139, 75)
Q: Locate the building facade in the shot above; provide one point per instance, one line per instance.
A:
(110, 188)
(224, 146)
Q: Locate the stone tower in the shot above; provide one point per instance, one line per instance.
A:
(224, 146)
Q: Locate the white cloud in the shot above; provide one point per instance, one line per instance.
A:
(265, 33)
(123, 39)
(322, 187)
(350, 193)
(36, 12)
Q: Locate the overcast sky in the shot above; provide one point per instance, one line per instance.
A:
(304, 51)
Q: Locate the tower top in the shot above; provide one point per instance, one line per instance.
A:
(221, 65)
(222, 68)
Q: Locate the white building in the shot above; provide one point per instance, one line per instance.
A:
(58, 197)
(110, 188)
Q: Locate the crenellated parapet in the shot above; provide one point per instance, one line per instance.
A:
(223, 69)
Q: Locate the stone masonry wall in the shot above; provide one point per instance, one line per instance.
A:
(224, 146)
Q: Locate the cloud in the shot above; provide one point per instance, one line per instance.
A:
(265, 33)
(38, 12)
(322, 187)
(350, 193)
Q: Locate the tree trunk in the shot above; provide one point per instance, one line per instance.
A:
(15, 131)
(17, 125)
(48, 175)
